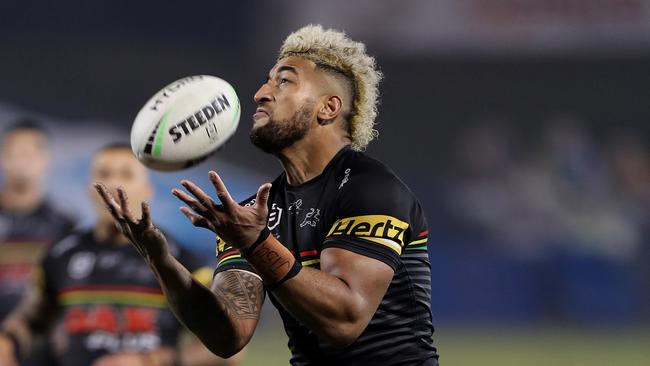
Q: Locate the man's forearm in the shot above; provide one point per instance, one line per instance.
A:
(222, 318)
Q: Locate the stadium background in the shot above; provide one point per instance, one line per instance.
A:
(522, 125)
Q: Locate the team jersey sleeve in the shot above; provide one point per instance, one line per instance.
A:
(228, 257)
(373, 216)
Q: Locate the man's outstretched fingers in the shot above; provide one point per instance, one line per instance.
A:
(189, 200)
(262, 198)
(124, 204)
(112, 206)
(201, 196)
(146, 214)
(222, 191)
(196, 220)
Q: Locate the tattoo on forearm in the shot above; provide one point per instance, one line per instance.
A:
(241, 293)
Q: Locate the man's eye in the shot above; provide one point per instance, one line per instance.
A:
(284, 81)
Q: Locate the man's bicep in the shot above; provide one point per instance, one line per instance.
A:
(367, 277)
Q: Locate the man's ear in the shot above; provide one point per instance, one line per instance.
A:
(329, 110)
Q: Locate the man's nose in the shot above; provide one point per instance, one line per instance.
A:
(263, 94)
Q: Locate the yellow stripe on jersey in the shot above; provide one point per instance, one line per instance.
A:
(421, 241)
(310, 262)
(234, 255)
(381, 229)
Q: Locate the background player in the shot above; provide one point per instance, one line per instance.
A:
(112, 310)
(28, 222)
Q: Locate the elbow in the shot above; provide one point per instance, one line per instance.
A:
(226, 354)
(226, 348)
(340, 332)
(222, 350)
(342, 335)
(236, 346)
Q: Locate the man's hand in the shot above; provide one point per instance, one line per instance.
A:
(7, 352)
(146, 238)
(237, 225)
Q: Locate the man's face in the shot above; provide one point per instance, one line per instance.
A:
(286, 104)
(119, 168)
(24, 156)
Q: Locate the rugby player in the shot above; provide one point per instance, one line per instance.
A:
(29, 222)
(97, 286)
(337, 241)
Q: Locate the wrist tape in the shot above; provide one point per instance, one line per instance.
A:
(271, 260)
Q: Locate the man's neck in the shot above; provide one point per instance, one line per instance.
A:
(107, 232)
(22, 198)
(307, 158)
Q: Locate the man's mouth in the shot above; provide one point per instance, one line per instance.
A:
(260, 112)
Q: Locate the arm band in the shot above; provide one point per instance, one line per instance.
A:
(293, 272)
(264, 234)
(271, 260)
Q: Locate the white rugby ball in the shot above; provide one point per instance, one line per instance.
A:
(185, 122)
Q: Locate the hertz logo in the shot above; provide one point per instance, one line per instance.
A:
(381, 229)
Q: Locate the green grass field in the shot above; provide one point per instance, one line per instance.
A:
(503, 347)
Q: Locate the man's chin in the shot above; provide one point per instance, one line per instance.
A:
(260, 121)
(263, 145)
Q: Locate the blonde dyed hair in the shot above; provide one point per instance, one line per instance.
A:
(333, 49)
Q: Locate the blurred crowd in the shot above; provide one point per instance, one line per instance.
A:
(556, 194)
(558, 189)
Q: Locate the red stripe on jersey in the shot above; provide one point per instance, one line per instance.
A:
(305, 253)
(424, 233)
(227, 253)
(308, 252)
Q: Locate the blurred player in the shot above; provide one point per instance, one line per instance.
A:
(28, 222)
(337, 241)
(111, 307)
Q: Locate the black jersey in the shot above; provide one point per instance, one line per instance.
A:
(23, 241)
(108, 298)
(357, 204)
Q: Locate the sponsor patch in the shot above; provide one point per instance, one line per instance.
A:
(381, 229)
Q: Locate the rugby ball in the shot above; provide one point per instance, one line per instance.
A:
(185, 122)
